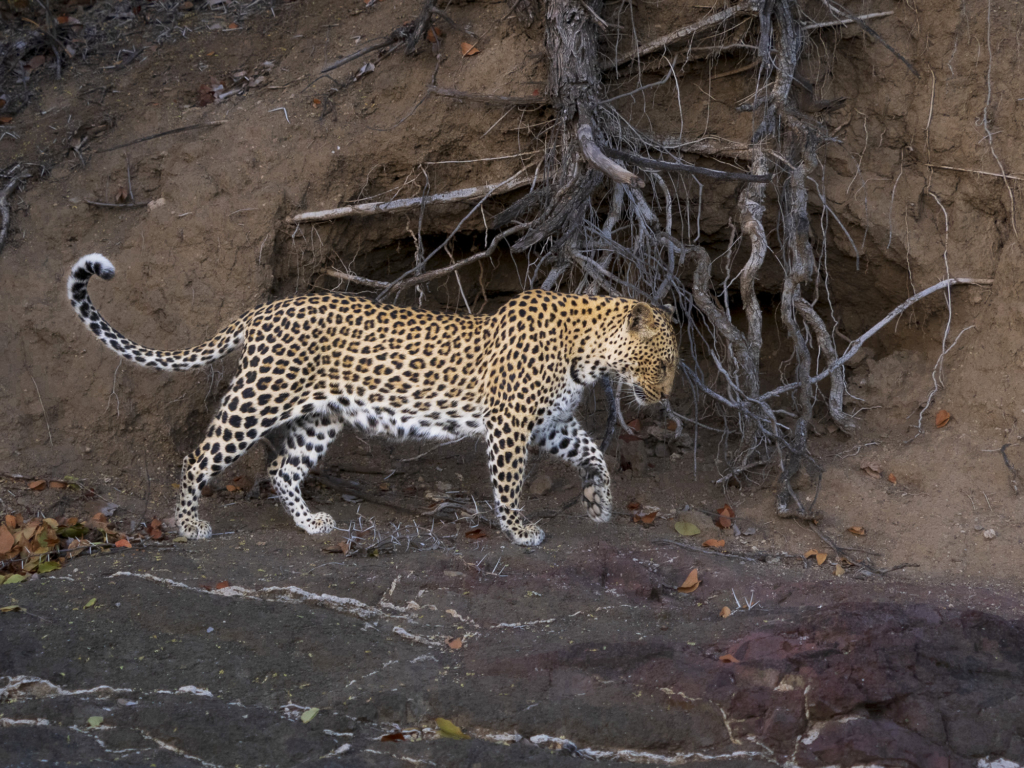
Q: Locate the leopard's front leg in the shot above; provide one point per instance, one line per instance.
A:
(506, 459)
(567, 440)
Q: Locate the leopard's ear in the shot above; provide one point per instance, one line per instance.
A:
(670, 310)
(641, 318)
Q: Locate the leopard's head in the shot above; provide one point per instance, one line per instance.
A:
(647, 353)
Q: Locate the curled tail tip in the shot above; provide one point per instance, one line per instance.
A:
(92, 264)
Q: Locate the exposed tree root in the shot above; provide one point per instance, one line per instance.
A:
(603, 213)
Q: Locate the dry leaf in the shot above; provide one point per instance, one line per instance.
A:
(684, 528)
(58, 484)
(476, 533)
(729, 659)
(222, 585)
(232, 25)
(455, 643)
(821, 557)
(725, 613)
(633, 506)
(316, 102)
(449, 730)
(839, 571)
(856, 530)
(872, 469)
(891, 478)
(341, 547)
(690, 584)
(37, 485)
(942, 419)
(11, 520)
(714, 543)
(434, 34)
(6, 541)
(123, 543)
(396, 736)
(5, 119)
(468, 49)
(725, 517)
(647, 519)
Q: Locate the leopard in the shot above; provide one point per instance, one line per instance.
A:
(312, 364)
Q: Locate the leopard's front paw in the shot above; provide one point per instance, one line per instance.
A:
(597, 500)
(195, 529)
(528, 535)
(318, 524)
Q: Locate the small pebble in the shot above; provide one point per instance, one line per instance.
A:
(990, 533)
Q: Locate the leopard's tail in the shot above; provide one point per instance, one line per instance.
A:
(178, 360)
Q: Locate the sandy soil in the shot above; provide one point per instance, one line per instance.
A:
(584, 643)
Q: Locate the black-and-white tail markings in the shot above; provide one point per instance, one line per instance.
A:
(177, 360)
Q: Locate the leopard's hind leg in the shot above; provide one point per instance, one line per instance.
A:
(229, 436)
(306, 441)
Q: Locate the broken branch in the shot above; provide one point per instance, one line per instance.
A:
(455, 196)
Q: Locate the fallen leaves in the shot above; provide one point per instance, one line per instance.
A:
(726, 612)
(39, 545)
(856, 530)
(872, 469)
(725, 517)
(309, 714)
(728, 658)
(690, 583)
(714, 543)
(95, 721)
(942, 418)
(468, 49)
(647, 519)
(449, 730)
(476, 533)
(455, 643)
(820, 557)
(686, 529)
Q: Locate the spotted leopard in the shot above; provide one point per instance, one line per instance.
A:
(314, 363)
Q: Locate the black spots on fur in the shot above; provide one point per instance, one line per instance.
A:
(248, 393)
(235, 420)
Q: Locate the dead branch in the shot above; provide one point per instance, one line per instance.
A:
(855, 346)
(839, 10)
(601, 162)
(17, 177)
(681, 167)
(843, 22)
(708, 22)
(163, 133)
(364, 209)
(1014, 472)
(394, 40)
(410, 278)
(487, 98)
